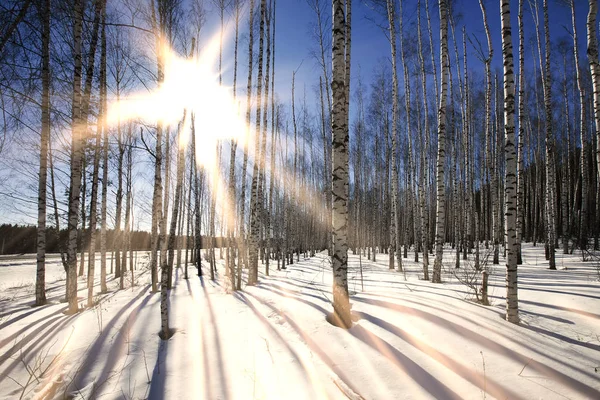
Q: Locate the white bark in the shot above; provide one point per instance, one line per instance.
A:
(339, 126)
(592, 52)
(510, 192)
(441, 155)
(40, 283)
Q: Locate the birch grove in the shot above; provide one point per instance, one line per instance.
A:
(456, 162)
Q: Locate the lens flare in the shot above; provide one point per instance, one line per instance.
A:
(192, 84)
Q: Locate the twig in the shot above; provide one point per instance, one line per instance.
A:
(146, 364)
(523, 369)
(268, 349)
(484, 377)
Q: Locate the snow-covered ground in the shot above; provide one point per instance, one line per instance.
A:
(411, 340)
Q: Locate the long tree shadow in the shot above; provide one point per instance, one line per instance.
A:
(422, 377)
(562, 338)
(117, 347)
(493, 346)
(575, 285)
(487, 327)
(529, 288)
(54, 326)
(14, 335)
(488, 384)
(550, 317)
(13, 311)
(206, 368)
(561, 308)
(427, 381)
(242, 297)
(96, 347)
(159, 377)
(217, 346)
(282, 290)
(490, 345)
(307, 339)
(25, 315)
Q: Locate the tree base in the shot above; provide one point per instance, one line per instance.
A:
(515, 320)
(40, 304)
(161, 334)
(334, 319)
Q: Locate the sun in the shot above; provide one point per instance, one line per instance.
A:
(190, 97)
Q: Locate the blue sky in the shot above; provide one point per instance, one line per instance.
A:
(370, 46)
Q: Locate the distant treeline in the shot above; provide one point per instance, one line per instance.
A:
(20, 239)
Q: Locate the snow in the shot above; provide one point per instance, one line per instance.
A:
(411, 339)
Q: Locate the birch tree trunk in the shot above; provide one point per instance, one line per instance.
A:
(441, 155)
(592, 52)
(242, 234)
(40, 283)
(178, 194)
(103, 205)
(424, 150)
(436, 85)
(197, 199)
(488, 132)
(394, 228)
(119, 199)
(76, 160)
(520, 149)
(166, 204)
(94, 208)
(100, 10)
(582, 126)
(157, 190)
(83, 118)
(274, 125)
(510, 192)
(128, 211)
(158, 219)
(232, 204)
(550, 173)
(411, 167)
(339, 126)
(84, 235)
(256, 201)
(318, 8)
(263, 212)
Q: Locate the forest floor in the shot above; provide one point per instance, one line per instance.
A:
(411, 339)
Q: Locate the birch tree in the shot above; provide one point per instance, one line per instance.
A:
(339, 127)
(256, 201)
(441, 155)
(232, 157)
(76, 159)
(550, 173)
(510, 192)
(394, 226)
(411, 164)
(242, 251)
(104, 193)
(582, 133)
(178, 192)
(424, 133)
(521, 146)
(592, 52)
(40, 283)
